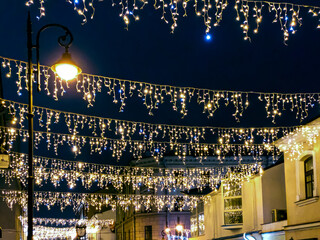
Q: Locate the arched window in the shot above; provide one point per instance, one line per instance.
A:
(309, 176)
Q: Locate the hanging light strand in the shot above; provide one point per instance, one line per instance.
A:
(44, 233)
(136, 148)
(99, 126)
(287, 14)
(153, 95)
(55, 171)
(99, 200)
(67, 222)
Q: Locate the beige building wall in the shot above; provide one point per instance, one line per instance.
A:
(298, 214)
(273, 191)
(251, 207)
(257, 206)
(9, 222)
(133, 227)
(303, 214)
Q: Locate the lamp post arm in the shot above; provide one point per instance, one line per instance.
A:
(63, 40)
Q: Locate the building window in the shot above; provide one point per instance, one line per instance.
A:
(194, 223)
(197, 221)
(232, 198)
(201, 224)
(148, 232)
(309, 178)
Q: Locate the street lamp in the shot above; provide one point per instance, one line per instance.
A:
(81, 230)
(179, 228)
(64, 68)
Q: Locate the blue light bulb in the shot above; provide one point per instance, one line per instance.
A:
(208, 37)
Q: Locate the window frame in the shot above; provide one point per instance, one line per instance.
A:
(199, 210)
(300, 176)
(306, 175)
(232, 210)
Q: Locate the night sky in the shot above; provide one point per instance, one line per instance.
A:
(148, 52)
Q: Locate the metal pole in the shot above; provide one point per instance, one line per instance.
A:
(30, 130)
(30, 47)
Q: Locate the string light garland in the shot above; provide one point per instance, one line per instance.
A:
(287, 14)
(44, 232)
(67, 222)
(114, 200)
(153, 95)
(99, 126)
(52, 233)
(298, 142)
(136, 148)
(99, 200)
(54, 171)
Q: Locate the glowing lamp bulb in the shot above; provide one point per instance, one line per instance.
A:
(167, 230)
(179, 228)
(65, 68)
(208, 37)
(66, 71)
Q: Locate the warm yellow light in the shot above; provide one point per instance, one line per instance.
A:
(261, 171)
(167, 230)
(179, 228)
(65, 68)
(66, 71)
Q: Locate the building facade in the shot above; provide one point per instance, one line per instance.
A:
(302, 169)
(251, 209)
(282, 203)
(148, 225)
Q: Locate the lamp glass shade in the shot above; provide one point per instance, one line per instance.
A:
(179, 228)
(81, 229)
(65, 68)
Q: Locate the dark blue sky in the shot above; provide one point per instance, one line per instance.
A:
(148, 52)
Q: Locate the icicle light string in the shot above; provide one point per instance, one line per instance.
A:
(45, 233)
(136, 147)
(294, 145)
(99, 200)
(56, 170)
(285, 13)
(67, 222)
(153, 95)
(99, 126)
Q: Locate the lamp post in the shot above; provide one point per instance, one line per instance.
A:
(65, 69)
(179, 229)
(81, 230)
